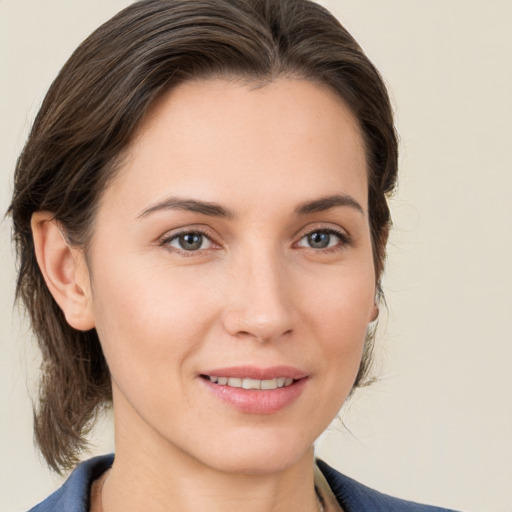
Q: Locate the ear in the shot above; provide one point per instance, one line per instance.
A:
(379, 264)
(64, 270)
(375, 311)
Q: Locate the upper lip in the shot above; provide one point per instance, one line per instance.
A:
(256, 372)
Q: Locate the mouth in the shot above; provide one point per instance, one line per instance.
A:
(256, 390)
(249, 383)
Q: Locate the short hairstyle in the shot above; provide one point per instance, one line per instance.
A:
(89, 117)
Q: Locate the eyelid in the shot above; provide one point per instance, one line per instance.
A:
(322, 226)
(165, 239)
(342, 234)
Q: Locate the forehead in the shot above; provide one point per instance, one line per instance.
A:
(226, 138)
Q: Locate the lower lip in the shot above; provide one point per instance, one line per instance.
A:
(257, 401)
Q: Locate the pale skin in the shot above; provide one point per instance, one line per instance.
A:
(276, 277)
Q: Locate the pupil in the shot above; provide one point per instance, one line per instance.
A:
(191, 241)
(319, 240)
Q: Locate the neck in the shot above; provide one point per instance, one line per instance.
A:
(149, 473)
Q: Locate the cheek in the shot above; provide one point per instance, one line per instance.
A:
(149, 319)
(338, 315)
(342, 302)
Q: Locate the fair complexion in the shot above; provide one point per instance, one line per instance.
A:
(233, 242)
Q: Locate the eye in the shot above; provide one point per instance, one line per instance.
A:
(189, 241)
(322, 239)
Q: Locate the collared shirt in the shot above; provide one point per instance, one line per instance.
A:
(74, 494)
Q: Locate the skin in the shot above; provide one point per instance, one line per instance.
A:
(256, 292)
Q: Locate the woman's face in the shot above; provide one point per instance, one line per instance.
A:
(235, 244)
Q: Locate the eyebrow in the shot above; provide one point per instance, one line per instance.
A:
(190, 205)
(328, 202)
(216, 210)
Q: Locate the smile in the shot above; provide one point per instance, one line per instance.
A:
(248, 383)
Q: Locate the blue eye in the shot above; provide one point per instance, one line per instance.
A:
(190, 241)
(321, 239)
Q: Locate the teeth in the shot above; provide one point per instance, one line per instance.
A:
(251, 384)
(248, 383)
(235, 382)
(269, 384)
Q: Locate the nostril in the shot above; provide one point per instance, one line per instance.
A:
(250, 323)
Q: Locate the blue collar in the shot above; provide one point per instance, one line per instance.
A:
(74, 494)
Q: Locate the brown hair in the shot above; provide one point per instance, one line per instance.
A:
(89, 117)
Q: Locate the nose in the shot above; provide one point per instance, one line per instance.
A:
(258, 306)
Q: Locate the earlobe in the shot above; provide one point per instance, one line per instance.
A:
(64, 270)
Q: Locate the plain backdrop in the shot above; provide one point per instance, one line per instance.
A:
(437, 427)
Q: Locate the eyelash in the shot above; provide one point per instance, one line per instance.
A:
(344, 240)
(165, 242)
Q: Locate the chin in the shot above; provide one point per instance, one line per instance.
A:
(260, 458)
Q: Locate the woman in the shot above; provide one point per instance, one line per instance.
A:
(201, 220)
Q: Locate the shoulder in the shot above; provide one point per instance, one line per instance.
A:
(356, 497)
(73, 496)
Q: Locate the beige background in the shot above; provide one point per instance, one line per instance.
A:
(438, 425)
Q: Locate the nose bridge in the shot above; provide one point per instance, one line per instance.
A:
(259, 296)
